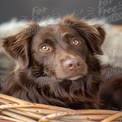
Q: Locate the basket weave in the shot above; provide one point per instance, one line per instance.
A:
(16, 110)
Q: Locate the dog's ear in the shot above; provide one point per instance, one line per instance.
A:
(18, 46)
(93, 35)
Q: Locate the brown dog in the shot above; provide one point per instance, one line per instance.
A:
(56, 64)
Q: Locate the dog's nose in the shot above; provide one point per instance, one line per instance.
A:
(72, 64)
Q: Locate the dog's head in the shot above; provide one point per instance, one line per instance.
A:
(61, 50)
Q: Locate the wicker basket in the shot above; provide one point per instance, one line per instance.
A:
(16, 110)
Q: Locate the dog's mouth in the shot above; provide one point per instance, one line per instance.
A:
(75, 77)
(69, 77)
(61, 76)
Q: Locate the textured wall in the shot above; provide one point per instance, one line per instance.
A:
(36, 9)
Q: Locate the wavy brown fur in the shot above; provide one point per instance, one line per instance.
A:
(32, 82)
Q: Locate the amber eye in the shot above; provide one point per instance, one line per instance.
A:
(45, 48)
(76, 42)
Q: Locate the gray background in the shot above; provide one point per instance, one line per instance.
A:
(38, 9)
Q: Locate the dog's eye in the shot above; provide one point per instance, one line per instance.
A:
(45, 48)
(76, 42)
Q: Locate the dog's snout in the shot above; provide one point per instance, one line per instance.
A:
(72, 64)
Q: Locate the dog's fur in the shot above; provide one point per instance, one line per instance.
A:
(111, 89)
(41, 77)
(112, 55)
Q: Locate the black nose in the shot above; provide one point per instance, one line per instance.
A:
(72, 64)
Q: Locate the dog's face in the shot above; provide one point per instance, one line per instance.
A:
(58, 50)
(61, 50)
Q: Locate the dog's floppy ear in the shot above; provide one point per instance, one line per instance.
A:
(93, 35)
(18, 46)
